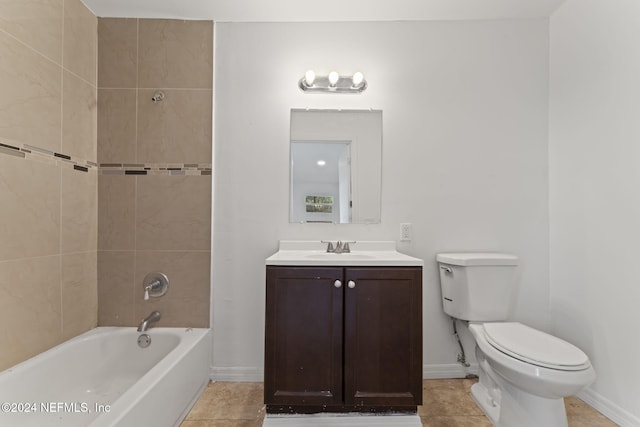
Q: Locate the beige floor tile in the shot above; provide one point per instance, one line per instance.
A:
(222, 423)
(447, 403)
(447, 398)
(582, 415)
(592, 419)
(225, 401)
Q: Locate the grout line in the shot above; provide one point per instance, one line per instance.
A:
(80, 77)
(60, 260)
(137, 83)
(135, 180)
(29, 257)
(60, 144)
(53, 61)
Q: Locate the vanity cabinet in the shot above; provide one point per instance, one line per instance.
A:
(343, 339)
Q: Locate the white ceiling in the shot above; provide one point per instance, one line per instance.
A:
(325, 10)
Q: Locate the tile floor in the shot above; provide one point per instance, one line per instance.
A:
(447, 403)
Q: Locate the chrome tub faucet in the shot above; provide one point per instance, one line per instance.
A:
(145, 323)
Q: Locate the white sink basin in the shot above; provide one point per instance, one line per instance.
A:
(313, 253)
(335, 256)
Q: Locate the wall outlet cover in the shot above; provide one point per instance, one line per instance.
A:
(406, 231)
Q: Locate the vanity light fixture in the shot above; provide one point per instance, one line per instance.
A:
(333, 83)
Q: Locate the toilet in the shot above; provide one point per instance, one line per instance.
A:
(524, 373)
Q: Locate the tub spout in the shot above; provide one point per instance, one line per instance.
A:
(145, 323)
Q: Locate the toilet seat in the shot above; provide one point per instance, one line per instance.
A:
(535, 347)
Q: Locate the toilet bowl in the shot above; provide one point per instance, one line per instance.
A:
(524, 373)
(533, 372)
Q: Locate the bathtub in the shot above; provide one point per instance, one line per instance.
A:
(103, 378)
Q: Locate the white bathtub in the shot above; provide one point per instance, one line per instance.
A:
(103, 378)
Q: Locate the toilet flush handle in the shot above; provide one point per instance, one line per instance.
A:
(447, 269)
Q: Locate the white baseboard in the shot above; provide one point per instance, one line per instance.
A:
(609, 409)
(237, 374)
(253, 374)
(432, 372)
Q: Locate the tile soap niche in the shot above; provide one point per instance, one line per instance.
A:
(155, 285)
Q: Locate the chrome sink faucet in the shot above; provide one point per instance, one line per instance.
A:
(340, 247)
(145, 323)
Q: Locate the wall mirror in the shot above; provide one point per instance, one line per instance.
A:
(336, 164)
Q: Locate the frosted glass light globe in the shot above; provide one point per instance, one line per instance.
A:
(309, 77)
(333, 78)
(358, 79)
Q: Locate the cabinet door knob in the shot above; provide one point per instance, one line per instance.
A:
(351, 284)
(337, 283)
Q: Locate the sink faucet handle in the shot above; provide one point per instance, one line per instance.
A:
(329, 246)
(346, 248)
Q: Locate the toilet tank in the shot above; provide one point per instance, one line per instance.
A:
(477, 287)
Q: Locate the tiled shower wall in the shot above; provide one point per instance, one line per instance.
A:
(155, 168)
(48, 175)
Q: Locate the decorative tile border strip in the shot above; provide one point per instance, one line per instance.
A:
(42, 155)
(30, 152)
(188, 169)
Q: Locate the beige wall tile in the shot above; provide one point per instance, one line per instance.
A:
(186, 303)
(79, 118)
(116, 125)
(176, 130)
(47, 208)
(80, 53)
(30, 304)
(37, 23)
(116, 212)
(117, 53)
(175, 54)
(79, 211)
(115, 288)
(173, 212)
(31, 96)
(79, 293)
(169, 214)
(30, 208)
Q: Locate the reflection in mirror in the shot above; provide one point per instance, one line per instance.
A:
(322, 176)
(336, 158)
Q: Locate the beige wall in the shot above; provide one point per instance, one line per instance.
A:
(48, 203)
(155, 158)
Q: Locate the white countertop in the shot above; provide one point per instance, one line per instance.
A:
(366, 253)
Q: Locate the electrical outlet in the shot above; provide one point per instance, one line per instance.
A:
(406, 230)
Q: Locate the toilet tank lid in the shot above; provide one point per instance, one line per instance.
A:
(477, 258)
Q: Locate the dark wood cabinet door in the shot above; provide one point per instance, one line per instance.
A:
(303, 336)
(383, 336)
